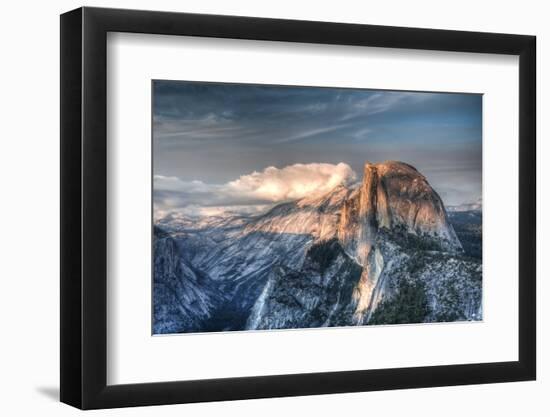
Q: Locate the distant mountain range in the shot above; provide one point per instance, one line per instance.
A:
(477, 206)
(384, 251)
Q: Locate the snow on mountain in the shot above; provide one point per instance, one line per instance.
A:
(477, 206)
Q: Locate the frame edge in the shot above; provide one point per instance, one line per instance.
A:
(70, 213)
(527, 136)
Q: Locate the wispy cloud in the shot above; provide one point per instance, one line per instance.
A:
(309, 133)
(380, 103)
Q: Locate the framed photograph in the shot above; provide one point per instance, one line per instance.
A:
(258, 208)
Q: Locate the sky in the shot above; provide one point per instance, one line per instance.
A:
(221, 147)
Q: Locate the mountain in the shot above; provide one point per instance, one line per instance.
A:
(468, 228)
(380, 252)
(184, 297)
(477, 206)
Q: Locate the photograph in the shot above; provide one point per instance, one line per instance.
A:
(294, 207)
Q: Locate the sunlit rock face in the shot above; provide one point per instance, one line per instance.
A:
(411, 201)
(394, 194)
(382, 251)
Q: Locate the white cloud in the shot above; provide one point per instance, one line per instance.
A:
(292, 182)
(249, 192)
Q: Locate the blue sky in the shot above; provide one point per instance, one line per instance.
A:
(212, 134)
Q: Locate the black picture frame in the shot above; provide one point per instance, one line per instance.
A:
(84, 207)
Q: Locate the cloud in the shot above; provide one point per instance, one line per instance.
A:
(249, 192)
(381, 102)
(210, 126)
(308, 133)
(292, 182)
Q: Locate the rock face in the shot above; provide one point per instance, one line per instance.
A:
(184, 297)
(380, 252)
(394, 194)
